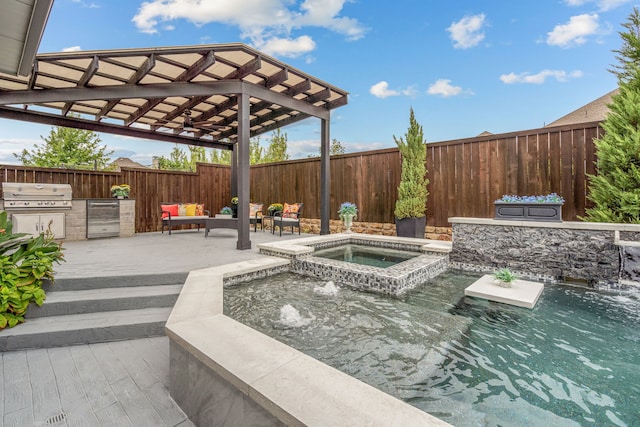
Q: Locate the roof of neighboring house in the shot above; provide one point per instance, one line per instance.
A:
(124, 162)
(595, 111)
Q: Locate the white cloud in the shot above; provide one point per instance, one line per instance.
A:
(539, 78)
(9, 146)
(443, 87)
(603, 5)
(263, 22)
(381, 90)
(72, 49)
(287, 47)
(574, 32)
(410, 91)
(467, 32)
(84, 4)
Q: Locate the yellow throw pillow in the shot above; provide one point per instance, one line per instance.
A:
(191, 209)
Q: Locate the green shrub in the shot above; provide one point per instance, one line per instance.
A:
(24, 262)
(505, 277)
(412, 191)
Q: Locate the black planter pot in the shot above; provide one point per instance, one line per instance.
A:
(529, 211)
(234, 210)
(411, 227)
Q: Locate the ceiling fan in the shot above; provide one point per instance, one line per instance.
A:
(192, 126)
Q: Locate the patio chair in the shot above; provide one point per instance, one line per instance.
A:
(288, 217)
(255, 215)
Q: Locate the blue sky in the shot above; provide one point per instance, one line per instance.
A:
(464, 66)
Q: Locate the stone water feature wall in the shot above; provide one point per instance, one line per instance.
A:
(586, 253)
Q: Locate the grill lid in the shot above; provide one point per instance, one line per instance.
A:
(28, 195)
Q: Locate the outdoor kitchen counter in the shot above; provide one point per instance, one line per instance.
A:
(75, 218)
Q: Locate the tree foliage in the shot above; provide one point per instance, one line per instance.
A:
(68, 147)
(277, 148)
(180, 160)
(177, 160)
(412, 191)
(615, 189)
(335, 148)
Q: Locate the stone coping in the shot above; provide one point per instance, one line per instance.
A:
(305, 246)
(574, 225)
(297, 389)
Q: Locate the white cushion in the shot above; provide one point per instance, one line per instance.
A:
(178, 218)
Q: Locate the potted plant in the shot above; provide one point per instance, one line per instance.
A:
(504, 277)
(410, 210)
(120, 191)
(529, 208)
(225, 212)
(348, 211)
(234, 207)
(275, 207)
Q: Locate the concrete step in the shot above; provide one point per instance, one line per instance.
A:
(57, 331)
(86, 283)
(60, 303)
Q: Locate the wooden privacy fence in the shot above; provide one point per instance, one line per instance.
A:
(466, 176)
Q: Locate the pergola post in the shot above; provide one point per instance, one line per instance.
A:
(242, 148)
(325, 178)
(234, 171)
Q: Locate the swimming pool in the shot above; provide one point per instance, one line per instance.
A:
(573, 360)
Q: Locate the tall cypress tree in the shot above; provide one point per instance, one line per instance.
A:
(412, 191)
(615, 189)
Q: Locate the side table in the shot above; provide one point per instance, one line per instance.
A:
(265, 219)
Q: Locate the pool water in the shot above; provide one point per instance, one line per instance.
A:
(366, 255)
(573, 360)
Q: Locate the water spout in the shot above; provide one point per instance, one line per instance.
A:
(329, 289)
(291, 317)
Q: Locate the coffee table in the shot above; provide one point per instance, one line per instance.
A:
(210, 223)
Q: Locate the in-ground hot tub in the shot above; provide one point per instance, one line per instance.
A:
(414, 261)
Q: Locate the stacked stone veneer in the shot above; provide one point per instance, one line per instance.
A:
(75, 221)
(127, 217)
(569, 251)
(394, 280)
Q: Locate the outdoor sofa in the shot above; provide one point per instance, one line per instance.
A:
(177, 214)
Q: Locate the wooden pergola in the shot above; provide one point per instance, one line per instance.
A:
(216, 96)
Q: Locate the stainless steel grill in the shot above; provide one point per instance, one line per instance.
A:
(18, 195)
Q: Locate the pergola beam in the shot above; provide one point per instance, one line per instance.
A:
(75, 122)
